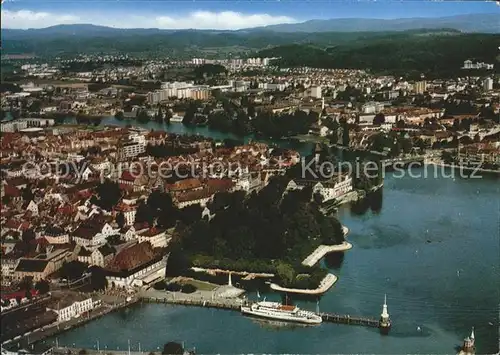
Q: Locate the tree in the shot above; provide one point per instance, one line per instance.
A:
(144, 214)
(114, 239)
(159, 115)
(188, 288)
(188, 118)
(72, 270)
(172, 348)
(27, 193)
(345, 134)
(26, 283)
(120, 220)
(119, 115)
(286, 273)
(379, 119)
(98, 280)
(109, 194)
(28, 235)
(162, 208)
(407, 145)
(143, 116)
(42, 286)
(318, 198)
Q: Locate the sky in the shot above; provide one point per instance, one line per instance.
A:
(221, 14)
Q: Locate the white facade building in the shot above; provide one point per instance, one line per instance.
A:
(488, 84)
(68, 308)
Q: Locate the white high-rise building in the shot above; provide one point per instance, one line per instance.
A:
(315, 91)
(488, 84)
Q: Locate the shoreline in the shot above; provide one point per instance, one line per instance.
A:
(462, 167)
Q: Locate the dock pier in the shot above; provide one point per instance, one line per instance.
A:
(234, 305)
(347, 319)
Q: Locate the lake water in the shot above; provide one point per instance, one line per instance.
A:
(431, 245)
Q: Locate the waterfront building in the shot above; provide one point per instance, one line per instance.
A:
(70, 305)
(331, 189)
(136, 265)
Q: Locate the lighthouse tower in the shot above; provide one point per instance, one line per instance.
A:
(385, 320)
(469, 344)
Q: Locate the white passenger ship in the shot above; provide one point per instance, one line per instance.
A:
(275, 310)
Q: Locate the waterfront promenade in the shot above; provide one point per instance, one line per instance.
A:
(245, 274)
(59, 327)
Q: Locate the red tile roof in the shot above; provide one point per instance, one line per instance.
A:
(186, 184)
(132, 257)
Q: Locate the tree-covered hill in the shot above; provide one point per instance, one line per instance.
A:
(397, 53)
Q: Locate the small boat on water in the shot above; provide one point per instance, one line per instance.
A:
(278, 311)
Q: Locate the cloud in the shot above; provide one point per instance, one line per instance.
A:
(225, 20)
(31, 19)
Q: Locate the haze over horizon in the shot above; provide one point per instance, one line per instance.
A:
(222, 15)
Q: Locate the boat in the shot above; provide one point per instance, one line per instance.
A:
(278, 311)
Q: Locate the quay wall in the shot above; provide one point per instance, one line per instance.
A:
(57, 328)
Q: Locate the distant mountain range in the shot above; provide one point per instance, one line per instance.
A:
(482, 23)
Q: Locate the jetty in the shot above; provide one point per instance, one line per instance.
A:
(322, 250)
(325, 284)
(235, 304)
(347, 319)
